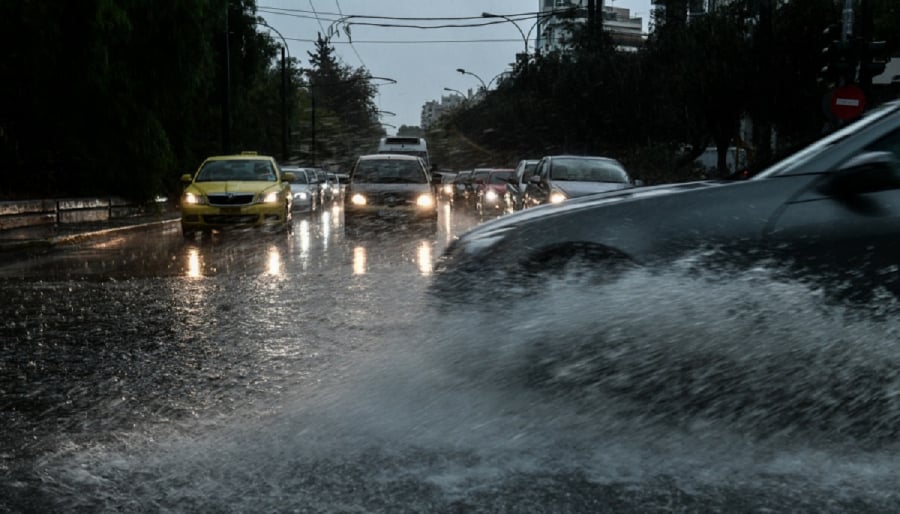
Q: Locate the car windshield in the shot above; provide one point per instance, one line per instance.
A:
(500, 178)
(389, 171)
(237, 170)
(587, 170)
(299, 176)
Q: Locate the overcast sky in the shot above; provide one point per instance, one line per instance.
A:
(422, 61)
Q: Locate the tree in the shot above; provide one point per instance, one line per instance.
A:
(346, 117)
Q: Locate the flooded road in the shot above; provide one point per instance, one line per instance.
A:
(307, 372)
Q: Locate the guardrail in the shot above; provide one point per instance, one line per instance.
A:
(26, 213)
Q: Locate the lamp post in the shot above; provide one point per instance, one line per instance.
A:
(285, 143)
(507, 18)
(460, 93)
(464, 72)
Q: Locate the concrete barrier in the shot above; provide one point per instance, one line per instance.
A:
(26, 213)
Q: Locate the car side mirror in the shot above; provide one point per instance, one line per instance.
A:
(535, 179)
(186, 178)
(638, 182)
(867, 172)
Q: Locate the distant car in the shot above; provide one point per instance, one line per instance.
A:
(303, 189)
(473, 183)
(459, 187)
(236, 190)
(829, 215)
(489, 193)
(558, 178)
(515, 189)
(390, 186)
(445, 189)
(334, 186)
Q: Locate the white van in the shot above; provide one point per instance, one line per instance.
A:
(407, 146)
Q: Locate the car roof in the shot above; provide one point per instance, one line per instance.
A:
(388, 156)
(240, 157)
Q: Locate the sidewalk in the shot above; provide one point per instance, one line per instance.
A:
(49, 235)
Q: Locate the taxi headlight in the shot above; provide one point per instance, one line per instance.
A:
(193, 199)
(425, 201)
(358, 199)
(557, 197)
(272, 197)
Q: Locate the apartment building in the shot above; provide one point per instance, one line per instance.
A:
(556, 20)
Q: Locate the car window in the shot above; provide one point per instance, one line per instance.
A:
(389, 172)
(245, 170)
(587, 170)
(529, 170)
(299, 177)
(499, 178)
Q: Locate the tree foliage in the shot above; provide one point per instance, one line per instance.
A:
(121, 97)
(694, 83)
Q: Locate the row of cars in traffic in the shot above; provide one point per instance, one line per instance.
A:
(247, 189)
(552, 179)
(827, 217)
(829, 213)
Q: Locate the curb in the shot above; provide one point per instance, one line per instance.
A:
(47, 243)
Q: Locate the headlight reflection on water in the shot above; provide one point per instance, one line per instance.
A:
(359, 260)
(274, 267)
(424, 258)
(194, 266)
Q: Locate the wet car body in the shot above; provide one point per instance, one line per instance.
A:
(830, 213)
(515, 189)
(489, 193)
(389, 186)
(558, 178)
(303, 189)
(231, 191)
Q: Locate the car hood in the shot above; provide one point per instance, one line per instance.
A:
(489, 232)
(386, 188)
(573, 189)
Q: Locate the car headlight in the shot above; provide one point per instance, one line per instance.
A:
(300, 196)
(557, 197)
(272, 197)
(448, 188)
(193, 199)
(491, 195)
(358, 199)
(425, 201)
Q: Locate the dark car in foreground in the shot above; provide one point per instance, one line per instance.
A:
(558, 178)
(389, 186)
(828, 214)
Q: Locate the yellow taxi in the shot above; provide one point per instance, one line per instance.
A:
(236, 190)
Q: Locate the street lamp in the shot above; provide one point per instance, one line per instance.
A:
(507, 18)
(460, 93)
(464, 72)
(285, 144)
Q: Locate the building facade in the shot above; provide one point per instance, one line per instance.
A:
(556, 18)
(433, 110)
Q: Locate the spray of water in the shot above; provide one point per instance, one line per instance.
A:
(675, 386)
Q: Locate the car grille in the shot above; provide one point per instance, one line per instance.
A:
(392, 199)
(230, 199)
(231, 219)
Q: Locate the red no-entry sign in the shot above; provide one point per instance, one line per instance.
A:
(848, 102)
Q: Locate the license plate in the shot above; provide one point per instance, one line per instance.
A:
(231, 210)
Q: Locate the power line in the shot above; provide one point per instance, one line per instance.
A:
(338, 4)
(420, 41)
(311, 6)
